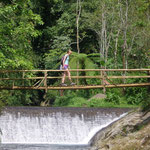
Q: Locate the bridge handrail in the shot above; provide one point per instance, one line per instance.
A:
(4, 71)
(75, 77)
(40, 80)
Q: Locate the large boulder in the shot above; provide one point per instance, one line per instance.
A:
(130, 132)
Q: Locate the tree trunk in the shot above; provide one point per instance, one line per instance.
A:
(124, 24)
(78, 13)
(116, 48)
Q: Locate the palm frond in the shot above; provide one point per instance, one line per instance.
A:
(94, 55)
(89, 65)
(80, 56)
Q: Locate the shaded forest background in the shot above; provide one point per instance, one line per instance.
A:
(34, 34)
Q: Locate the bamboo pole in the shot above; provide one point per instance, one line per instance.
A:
(23, 75)
(7, 71)
(45, 81)
(81, 77)
(148, 79)
(13, 84)
(75, 87)
(103, 82)
(45, 84)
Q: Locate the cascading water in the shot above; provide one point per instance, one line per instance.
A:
(55, 126)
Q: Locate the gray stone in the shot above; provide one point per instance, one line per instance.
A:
(98, 96)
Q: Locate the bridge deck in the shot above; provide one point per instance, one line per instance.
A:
(74, 87)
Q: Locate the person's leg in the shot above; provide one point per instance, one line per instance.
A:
(63, 78)
(106, 82)
(69, 76)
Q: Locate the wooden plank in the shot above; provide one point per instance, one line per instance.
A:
(45, 81)
(76, 87)
(81, 77)
(7, 71)
(32, 78)
(126, 77)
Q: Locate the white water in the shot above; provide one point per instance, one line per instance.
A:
(53, 127)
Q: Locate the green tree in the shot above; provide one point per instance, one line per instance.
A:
(17, 28)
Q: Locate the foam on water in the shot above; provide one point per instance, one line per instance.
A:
(54, 127)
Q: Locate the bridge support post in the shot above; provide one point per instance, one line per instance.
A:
(103, 81)
(124, 81)
(45, 84)
(148, 79)
(13, 84)
(23, 75)
(61, 92)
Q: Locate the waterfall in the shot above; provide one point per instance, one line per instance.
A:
(36, 125)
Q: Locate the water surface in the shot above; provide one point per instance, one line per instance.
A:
(46, 128)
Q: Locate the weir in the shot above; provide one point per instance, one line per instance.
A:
(54, 126)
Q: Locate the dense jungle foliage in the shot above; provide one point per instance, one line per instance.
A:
(34, 34)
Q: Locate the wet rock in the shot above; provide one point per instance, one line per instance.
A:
(127, 132)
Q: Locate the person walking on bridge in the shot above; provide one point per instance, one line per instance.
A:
(65, 66)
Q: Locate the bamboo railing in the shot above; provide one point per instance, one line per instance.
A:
(40, 79)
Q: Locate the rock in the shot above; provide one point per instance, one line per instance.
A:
(125, 133)
(98, 96)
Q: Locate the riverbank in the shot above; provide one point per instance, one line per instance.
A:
(130, 132)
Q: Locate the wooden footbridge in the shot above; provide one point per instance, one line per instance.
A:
(86, 79)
